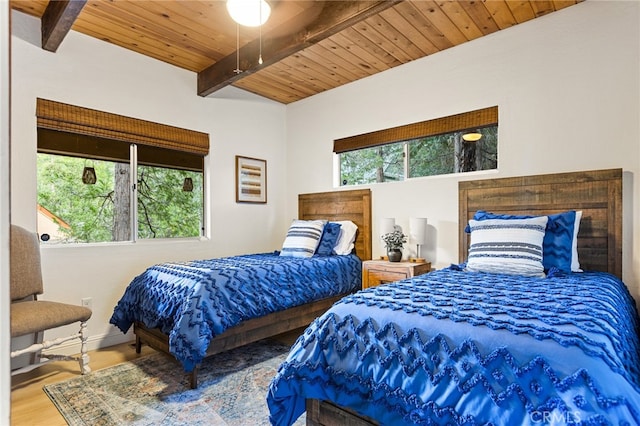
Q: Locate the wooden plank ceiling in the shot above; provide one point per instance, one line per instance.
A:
(307, 46)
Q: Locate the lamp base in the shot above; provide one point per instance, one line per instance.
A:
(417, 260)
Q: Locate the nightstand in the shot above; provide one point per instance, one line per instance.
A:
(376, 272)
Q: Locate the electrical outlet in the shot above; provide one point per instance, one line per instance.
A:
(87, 302)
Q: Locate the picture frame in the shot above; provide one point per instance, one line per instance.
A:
(251, 180)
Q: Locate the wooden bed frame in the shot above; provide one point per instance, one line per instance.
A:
(597, 193)
(352, 205)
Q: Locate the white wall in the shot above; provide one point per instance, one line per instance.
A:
(94, 74)
(567, 88)
(5, 382)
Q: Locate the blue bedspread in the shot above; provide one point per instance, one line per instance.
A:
(460, 348)
(195, 301)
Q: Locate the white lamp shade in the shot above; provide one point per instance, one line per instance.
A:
(418, 229)
(250, 13)
(386, 225)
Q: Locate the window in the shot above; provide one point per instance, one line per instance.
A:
(428, 148)
(85, 190)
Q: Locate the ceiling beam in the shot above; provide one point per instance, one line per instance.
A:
(57, 20)
(334, 17)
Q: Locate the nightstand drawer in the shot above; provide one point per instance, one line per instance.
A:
(376, 272)
(381, 277)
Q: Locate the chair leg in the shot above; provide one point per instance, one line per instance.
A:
(84, 355)
(83, 359)
(38, 337)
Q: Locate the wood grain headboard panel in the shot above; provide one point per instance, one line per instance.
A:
(597, 193)
(353, 205)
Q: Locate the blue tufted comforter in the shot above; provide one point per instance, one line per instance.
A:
(460, 348)
(195, 301)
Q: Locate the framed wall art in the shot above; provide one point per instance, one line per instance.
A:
(251, 180)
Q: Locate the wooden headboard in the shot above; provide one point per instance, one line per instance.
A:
(597, 193)
(353, 205)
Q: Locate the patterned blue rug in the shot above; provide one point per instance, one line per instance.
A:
(154, 390)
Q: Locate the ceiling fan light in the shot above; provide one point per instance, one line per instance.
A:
(472, 136)
(250, 13)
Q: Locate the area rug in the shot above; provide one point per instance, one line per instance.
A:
(154, 390)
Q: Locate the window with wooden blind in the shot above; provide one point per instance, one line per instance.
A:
(106, 177)
(454, 144)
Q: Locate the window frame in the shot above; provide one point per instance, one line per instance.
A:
(458, 123)
(80, 132)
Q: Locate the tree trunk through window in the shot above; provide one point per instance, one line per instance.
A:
(479, 154)
(122, 203)
(457, 150)
(468, 156)
(380, 169)
(465, 157)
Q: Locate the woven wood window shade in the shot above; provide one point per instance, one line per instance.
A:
(453, 123)
(89, 122)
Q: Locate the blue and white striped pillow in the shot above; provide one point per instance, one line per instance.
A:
(302, 238)
(560, 244)
(512, 246)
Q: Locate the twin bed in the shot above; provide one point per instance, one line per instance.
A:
(477, 348)
(460, 347)
(192, 310)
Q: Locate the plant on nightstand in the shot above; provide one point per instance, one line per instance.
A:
(394, 241)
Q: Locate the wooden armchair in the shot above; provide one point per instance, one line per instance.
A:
(32, 316)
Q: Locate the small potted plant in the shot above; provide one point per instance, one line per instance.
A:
(394, 241)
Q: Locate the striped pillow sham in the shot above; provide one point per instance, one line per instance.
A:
(302, 238)
(511, 246)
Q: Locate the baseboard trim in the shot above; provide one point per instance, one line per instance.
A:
(95, 342)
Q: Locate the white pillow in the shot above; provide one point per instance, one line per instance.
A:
(575, 263)
(507, 246)
(347, 237)
(302, 238)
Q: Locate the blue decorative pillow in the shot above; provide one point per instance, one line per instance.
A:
(560, 240)
(328, 239)
(302, 238)
(507, 246)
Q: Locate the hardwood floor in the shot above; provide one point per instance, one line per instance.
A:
(30, 406)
